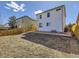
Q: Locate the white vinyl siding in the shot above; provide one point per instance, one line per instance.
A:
(56, 20)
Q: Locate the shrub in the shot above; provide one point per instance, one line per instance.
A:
(33, 28)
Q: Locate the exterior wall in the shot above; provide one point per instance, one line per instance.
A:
(56, 20)
(64, 18)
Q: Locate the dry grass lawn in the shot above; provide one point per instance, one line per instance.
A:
(10, 32)
(14, 46)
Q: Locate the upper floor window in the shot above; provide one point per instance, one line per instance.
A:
(48, 14)
(40, 16)
(58, 9)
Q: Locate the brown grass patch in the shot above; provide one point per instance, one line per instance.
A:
(10, 32)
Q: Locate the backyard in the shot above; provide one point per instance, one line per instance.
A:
(17, 46)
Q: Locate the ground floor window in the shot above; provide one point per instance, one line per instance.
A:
(47, 24)
(40, 24)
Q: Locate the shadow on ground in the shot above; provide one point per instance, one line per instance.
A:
(64, 44)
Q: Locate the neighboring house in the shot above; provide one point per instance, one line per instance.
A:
(52, 19)
(2, 27)
(25, 22)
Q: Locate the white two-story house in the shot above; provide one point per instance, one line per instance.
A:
(52, 19)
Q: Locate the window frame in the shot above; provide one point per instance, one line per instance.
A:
(40, 25)
(48, 14)
(40, 16)
(48, 24)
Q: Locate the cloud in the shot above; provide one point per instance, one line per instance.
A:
(15, 7)
(38, 11)
(6, 7)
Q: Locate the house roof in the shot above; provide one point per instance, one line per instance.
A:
(53, 9)
(27, 17)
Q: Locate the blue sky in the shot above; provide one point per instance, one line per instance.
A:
(72, 9)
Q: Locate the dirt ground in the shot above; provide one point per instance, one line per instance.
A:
(17, 47)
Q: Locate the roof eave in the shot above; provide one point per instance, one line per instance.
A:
(51, 9)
